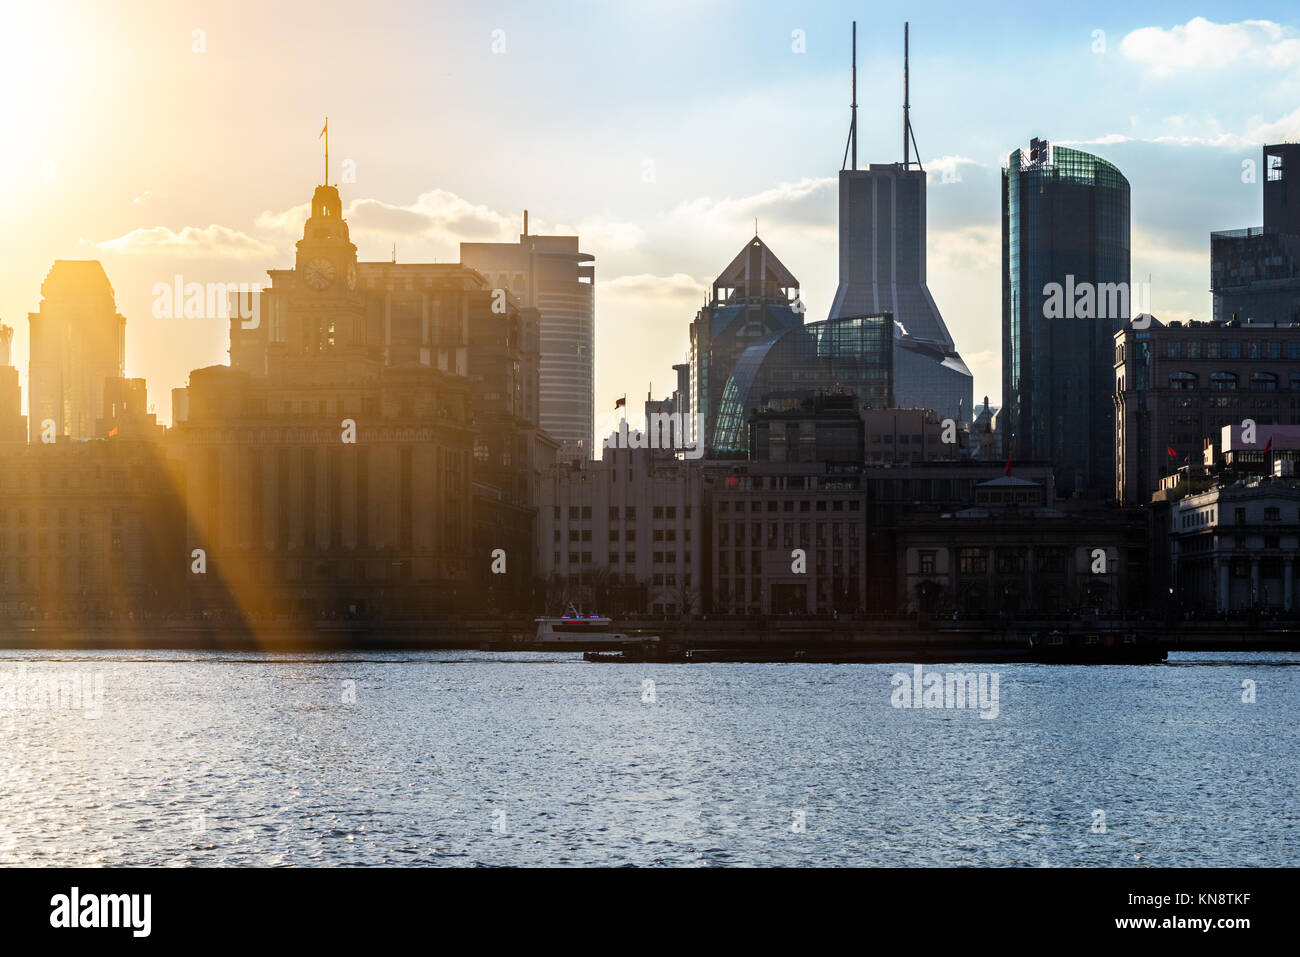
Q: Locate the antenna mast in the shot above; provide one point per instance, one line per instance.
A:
(853, 106)
(907, 100)
(909, 137)
(852, 144)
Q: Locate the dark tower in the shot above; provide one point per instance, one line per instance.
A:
(1281, 203)
(882, 270)
(1065, 293)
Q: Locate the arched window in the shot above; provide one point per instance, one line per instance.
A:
(1182, 380)
(1222, 381)
(1263, 382)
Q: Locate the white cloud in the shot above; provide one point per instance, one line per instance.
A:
(678, 286)
(947, 169)
(191, 241)
(970, 249)
(1283, 129)
(288, 221)
(1201, 44)
(799, 204)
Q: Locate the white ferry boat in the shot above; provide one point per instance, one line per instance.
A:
(574, 628)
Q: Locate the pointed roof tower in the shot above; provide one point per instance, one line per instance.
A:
(755, 273)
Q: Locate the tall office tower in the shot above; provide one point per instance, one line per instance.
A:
(1065, 293)
(78, 342)
(754, 297)
(882, 270)
(1255, 272)
(550, 274)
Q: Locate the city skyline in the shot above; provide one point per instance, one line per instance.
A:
(602, 433)
(659, 213)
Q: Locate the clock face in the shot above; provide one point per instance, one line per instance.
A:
(352, 277)
(319, 273)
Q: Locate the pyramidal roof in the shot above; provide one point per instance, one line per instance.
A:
(756, 263)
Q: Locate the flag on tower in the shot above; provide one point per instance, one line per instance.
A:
(620, 402)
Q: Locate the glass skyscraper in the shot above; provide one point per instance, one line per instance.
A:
(1065, 293)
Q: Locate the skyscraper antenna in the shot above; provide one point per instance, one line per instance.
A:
(907, 100)
(852, 144)
(909, 137)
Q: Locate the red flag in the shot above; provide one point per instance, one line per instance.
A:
(1008, 468)
(1172, 453)
(1269, 446)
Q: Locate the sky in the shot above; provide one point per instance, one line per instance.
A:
(174, 138)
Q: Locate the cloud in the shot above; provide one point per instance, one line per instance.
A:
(947, 169)
(191, 241)
(1228, 141)
(1283, 129)
(676, 288)
(601, 233)
(442, 217)
(807, 203)
(972, 249)
(289, 221)
(1201, 44)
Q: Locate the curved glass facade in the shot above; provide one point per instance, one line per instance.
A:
(1065, 293)
(852, 355)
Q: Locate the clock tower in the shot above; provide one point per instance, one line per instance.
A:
(326, 310)
(327, 259)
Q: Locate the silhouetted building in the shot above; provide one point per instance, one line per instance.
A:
(788, 537)
(1065, 293)
(882, 270)
(512, 454)
(1010, 551)
(78, 342)
(13, 424)
(807, 428)
(328, 469)
(986, 433)
(853, 356)
(551, 274)
(1176, 385)
(904, 436)
(126, 412)
(1233, 547)
(623, 535)
(754, 298)
(90, 532)
(1255, 272)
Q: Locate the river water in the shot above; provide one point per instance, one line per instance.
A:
(467, 758)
